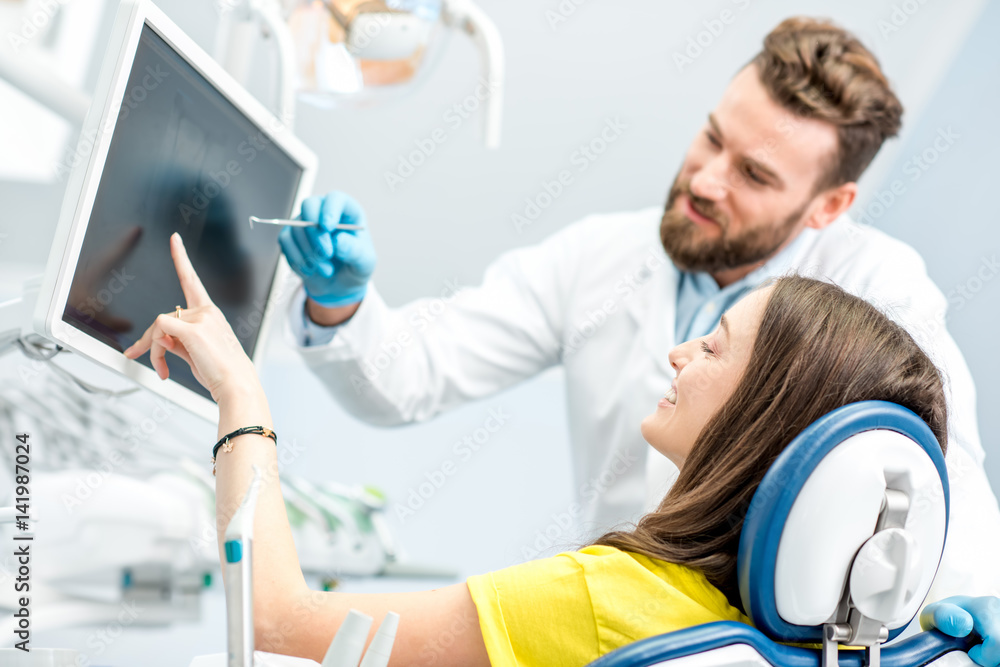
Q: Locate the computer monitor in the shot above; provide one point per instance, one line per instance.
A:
(178, 146)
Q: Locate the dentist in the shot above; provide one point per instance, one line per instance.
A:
(763, 190)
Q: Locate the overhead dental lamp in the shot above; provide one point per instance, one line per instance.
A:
(357, 52)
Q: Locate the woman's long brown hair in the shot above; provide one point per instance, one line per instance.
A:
(818, 348)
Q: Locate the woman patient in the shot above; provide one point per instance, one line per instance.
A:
(782, 357)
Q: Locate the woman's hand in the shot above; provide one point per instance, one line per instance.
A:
(202, 337)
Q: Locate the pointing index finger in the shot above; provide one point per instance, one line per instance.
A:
(194, 292)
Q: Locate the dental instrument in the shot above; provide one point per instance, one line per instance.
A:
(296, 223)
(349, 642)
(381, 647)
(239, 578)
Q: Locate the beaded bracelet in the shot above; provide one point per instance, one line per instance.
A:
(228, 446)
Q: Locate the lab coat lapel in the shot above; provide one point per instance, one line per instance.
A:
(653, 310)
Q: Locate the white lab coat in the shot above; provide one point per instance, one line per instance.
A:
(598, 296)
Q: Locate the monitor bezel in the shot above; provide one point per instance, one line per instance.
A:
(84, 179)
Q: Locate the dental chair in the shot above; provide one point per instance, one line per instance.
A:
(839, 547)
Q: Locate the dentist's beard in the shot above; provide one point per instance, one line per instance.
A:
(686, 244)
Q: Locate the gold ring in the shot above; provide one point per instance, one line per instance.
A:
(177, 313)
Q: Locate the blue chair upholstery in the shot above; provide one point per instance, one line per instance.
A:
(765, 520)
(915, 651)
(761, 535)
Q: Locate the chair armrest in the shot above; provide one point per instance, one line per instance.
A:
(920, 649)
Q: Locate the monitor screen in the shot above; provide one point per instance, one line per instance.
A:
(182, 159)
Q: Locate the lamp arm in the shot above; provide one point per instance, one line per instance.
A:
(237, 32)
(269, 12)
(44, 86)
(467, 16)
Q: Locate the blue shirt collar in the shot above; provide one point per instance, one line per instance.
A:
(701, 302)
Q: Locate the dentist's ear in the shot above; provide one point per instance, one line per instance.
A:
(831, 204)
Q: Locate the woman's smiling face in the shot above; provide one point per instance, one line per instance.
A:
(707, 372)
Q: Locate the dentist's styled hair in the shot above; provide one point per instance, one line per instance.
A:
(816, 69)
(818, 348)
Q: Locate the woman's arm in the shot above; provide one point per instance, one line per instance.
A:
(439, 627)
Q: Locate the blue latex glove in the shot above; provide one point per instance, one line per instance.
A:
(959, 615)
(335, 264)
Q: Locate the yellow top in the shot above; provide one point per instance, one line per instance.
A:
(569, 610)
